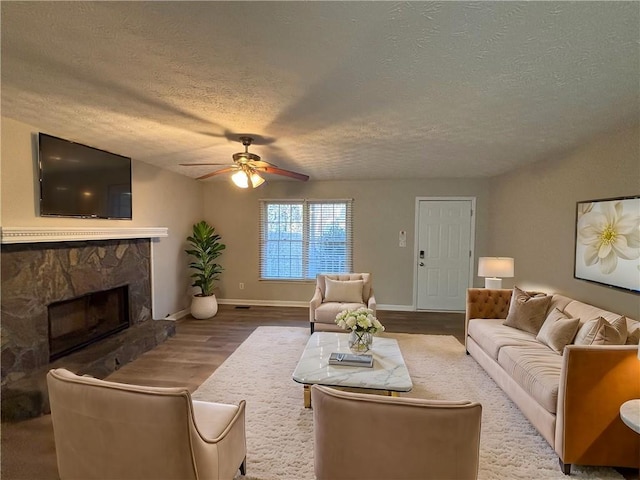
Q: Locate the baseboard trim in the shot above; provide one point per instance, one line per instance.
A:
(294, 303)
(177, 315)
(396, 308)
(291, 303)
(263, 303)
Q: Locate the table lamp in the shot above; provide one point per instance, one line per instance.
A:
(494, 269)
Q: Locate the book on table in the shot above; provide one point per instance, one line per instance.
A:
(351, 360)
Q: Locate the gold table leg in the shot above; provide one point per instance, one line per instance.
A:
(307, 396)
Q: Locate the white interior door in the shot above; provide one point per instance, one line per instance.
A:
(443, 251)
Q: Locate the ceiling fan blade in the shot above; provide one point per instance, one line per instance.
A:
(260, 164)
(217, 172)
(200, 164)
(285, 173)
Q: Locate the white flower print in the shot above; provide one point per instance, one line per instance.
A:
(609, 234)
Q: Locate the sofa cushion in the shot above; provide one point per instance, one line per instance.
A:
(491, 335)
(326, 312)
(600, 332)
(536, 369)
(558, 330)
(527, 312)
(586, 312)
(560, 302)
(343, 291)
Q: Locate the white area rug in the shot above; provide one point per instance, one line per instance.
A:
(280, 429)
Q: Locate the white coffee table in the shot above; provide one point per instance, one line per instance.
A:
(389, 374)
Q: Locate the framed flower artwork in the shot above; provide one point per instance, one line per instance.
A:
(608, 242)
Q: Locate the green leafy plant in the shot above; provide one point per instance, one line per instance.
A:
(205, 247)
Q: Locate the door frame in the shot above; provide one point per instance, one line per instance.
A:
(416, 229)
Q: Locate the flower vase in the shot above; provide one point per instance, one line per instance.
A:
(360, 342)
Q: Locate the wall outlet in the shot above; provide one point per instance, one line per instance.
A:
(241, 285)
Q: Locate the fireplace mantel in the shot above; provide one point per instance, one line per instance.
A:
(73, 234)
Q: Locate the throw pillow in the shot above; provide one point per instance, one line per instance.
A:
(600, 332)
(346, 291)
(558, 330)
(527, 312)
(633, 337)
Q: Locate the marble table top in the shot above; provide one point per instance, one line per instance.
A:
(630, 414)
(389, 371)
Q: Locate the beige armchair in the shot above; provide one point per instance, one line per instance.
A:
(337, 292)
(359, 435)
(106, 430)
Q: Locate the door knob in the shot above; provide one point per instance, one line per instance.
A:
(421, 264)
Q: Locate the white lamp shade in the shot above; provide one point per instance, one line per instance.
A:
(256, 180)
(240, 179)
(244, 179)
(495, 267)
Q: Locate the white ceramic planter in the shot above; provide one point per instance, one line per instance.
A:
(204, 307)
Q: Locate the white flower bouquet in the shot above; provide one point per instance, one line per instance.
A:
(359, 320)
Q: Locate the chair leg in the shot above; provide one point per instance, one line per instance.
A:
(243, 467)
(565, 467)
(312, 325)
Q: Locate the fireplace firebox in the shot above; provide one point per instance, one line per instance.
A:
(81, 321)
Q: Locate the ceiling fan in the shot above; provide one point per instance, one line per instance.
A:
(247, 167)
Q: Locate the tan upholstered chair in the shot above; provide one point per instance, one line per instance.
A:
(359, 435)
(331, 296)
(107, 430)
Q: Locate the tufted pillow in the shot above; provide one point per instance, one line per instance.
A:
(600, 332)
(527, 312)
(558, 330)
(346, 291)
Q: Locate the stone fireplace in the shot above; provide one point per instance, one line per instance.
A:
(82, 305)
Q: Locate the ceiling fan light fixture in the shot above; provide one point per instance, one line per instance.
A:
(246, 167)
(256, 180)
(240, 179)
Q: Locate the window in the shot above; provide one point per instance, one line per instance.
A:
(301, 238)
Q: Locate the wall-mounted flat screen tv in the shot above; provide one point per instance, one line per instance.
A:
(81, 181)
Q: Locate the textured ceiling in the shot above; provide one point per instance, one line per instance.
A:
(336, 90)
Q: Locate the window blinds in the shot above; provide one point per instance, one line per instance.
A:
(301, 238)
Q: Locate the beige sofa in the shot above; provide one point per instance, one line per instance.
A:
(572, 398)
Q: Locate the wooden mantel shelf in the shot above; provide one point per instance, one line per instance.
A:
(74, 234)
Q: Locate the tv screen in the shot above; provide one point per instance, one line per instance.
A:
(81, 181)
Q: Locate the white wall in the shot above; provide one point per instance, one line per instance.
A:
(160, 199)
(381, 209)
(533, 212)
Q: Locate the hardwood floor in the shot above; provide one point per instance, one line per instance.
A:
(188, 359)
(200, 346)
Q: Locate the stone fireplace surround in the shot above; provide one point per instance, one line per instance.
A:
(39, 267)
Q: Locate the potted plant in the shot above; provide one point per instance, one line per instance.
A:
(205, 247)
